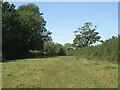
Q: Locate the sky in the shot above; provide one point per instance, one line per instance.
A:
(63, 18)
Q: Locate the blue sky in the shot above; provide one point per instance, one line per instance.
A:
(64, 18)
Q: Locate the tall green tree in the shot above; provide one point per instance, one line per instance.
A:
(0, 30)
(10, 30)
(23, 30)
(33, 26)
(86, 35)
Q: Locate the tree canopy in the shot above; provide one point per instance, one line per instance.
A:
(23, 30)
(86, 35)
(52, 48)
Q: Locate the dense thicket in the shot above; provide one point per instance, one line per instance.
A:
(107, 50)
(23, 30)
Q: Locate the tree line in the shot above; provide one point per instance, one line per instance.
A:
(24, 34)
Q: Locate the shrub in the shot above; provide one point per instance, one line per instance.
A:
(107, 50)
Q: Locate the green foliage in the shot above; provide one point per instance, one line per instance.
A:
(61, 52)
(0, 30)
(10, 31)
(34, 26)
(49, 48)
(86, 35)
(68, 46)
(23, 30)
(54, 48)
(36, 54)
(108, 50)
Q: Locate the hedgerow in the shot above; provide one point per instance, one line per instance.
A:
(107, 50)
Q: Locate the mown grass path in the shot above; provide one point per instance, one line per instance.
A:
(59, 72)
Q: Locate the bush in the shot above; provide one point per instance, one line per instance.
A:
(107, 50)
(51, 49)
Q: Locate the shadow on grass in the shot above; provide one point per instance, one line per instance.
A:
(28, 57)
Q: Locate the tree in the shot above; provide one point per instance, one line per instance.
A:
(86, 35)
(49, 48)
(60, 50)
(52, 48)
(68, 46)
(34, 26)
(23, 30)
(10, 30)
(0, 30)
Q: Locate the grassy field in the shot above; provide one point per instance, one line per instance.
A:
(59, 72)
